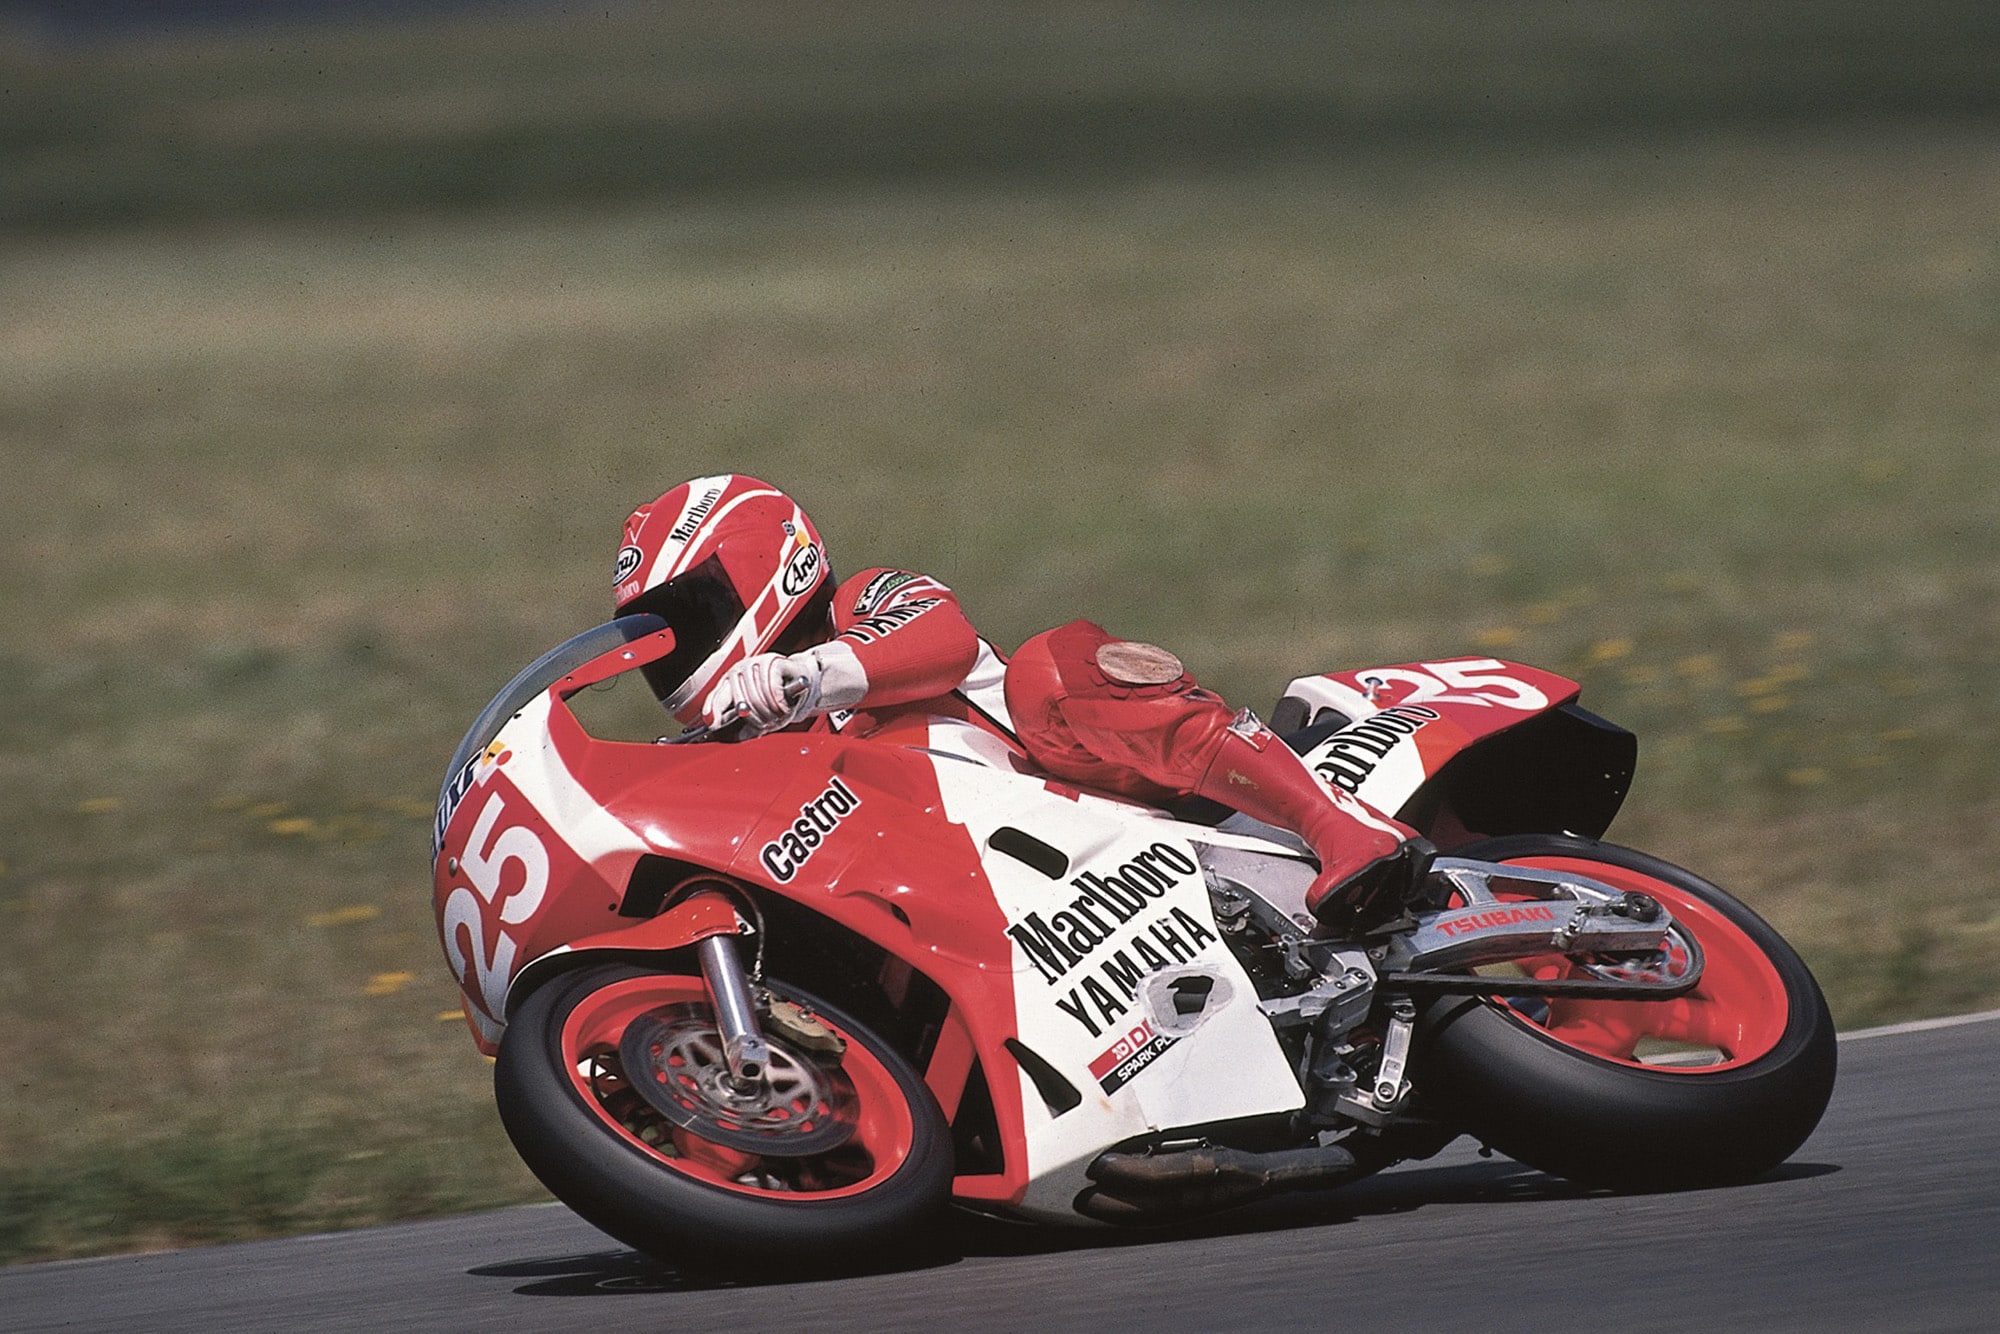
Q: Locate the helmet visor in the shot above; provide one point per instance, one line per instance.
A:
(702, 607)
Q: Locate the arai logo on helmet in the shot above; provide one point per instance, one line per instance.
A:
(628, 564)
(801, 570)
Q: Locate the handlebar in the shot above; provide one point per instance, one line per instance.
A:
(715, 731)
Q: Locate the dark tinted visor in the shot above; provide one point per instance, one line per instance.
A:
(702, 608)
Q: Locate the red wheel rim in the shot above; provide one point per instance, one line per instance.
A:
(883, 1134)
(1735, 1015)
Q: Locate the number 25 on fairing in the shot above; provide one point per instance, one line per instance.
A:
(484, 862)
(1482, 682)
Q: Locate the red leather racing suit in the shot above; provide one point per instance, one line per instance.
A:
(1090, 709)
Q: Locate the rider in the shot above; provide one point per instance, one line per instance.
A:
(739, 572)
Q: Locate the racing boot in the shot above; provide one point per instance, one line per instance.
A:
(1371, 866)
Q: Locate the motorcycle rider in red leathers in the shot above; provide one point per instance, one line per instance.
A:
(739, 572)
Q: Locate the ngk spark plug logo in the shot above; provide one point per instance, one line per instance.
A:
(1137, 1048)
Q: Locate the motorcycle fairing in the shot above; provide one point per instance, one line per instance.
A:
(1122, 982)
(902, 859)
(1105, 964)
(1406, 722)
(918, 843)
(508, 887)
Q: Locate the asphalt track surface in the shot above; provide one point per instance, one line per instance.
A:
(1887, 1220)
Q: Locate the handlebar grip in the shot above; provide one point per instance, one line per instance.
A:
(794, 690)
(705, 731)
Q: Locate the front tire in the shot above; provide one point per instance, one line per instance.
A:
(1714, 1088)
(778, 1197)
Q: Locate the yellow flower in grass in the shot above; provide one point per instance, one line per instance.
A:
(291, 827)
(1806, 776)
(354, 912)
(388, 984)
(1609, 650)
(446, 1016)
(100, 805)
(1498, 636)
(1770, 704)
(1771, 682)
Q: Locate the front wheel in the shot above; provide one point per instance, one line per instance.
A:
(1715, 1087)
(840, 1149)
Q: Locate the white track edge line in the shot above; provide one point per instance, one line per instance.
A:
(1920, 1025)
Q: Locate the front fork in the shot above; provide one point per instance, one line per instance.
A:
(743, 1044)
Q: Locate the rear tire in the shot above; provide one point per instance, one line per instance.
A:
(665, 1189)
(1567, 1088)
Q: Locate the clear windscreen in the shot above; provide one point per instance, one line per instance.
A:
(544, 672)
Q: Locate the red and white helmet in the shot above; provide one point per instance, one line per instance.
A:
(735, 567)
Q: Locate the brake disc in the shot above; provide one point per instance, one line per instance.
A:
(673, 1056)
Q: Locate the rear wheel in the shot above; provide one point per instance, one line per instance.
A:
(1717, 1086)
(611, 1082)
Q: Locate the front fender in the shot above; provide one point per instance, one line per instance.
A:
(697, 917)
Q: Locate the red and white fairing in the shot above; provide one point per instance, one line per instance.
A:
(1077, 951)
(531, 861)
(1096, 953)
(1406, 721)
(894, 842)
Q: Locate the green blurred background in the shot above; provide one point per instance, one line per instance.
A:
(1659, 345)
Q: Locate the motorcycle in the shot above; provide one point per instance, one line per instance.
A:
(800, 991)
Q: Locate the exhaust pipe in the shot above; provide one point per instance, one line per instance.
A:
(1141, 1187)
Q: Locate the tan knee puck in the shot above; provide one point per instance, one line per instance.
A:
(1134, 664)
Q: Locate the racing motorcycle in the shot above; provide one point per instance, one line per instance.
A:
(800, 991)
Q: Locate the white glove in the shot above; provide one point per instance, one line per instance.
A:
(766, 692)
